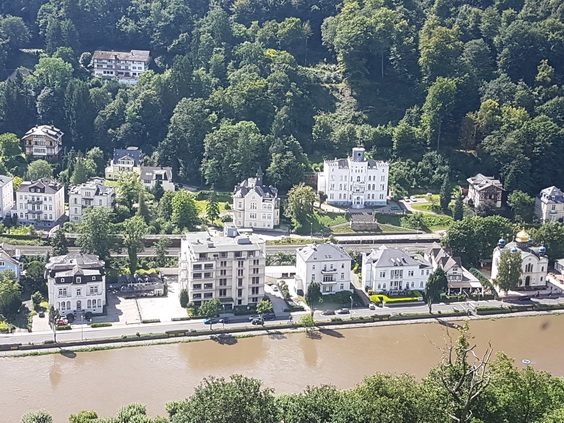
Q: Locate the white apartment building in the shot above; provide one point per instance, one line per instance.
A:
(388, 269)
(40, 203)
(6, 195)
(43, 142)
(150, 176)
(76, 284)
(90, 194)
(125, 160)
(549, 205)
(356, 181)
(125, 66)
(228, 267)
(256, 205)
(327, 264)
(534, 267)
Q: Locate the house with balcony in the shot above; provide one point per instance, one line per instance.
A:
(356, 181)
(90, 194)
(43, 142)
(391, 269)
(150, 176)
(459, 278)
(485, 191)
(124, 66)
(229, 267)
(125, 160)
(40, 203)
(6, 195)
(549, 205)
(76, 283)
(327, 264)
(256, 205)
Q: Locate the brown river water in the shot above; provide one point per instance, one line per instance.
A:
(106, 380)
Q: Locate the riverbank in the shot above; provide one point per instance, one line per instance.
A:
(229, 335)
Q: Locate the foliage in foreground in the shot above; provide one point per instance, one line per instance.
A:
(465, 387)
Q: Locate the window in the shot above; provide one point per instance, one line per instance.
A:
(255, 262)
(223, 264)
(62, 292)
(223, 282)
(410, 273)
(197, 286)
(382, 274)
(255, 280)
(255, 271)
(240, 282)
(239, 292)
(223, 292)
(197, 267)
(197, 276)
(208, 286)
(342, 276)
(207, 275)
(208, 295)
(223, 255)
(253, 206)
(223, 272)
(239, 272)
(93, 290)
(240, 264)
(197, 295)
(79, 292)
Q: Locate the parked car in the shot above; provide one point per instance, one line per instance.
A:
(41, 313)
(257, 321)
(253, 317)
(372, 306)
(343, 311)
(269, 316)
(224, 320)
(328, 312)
(524, 298)
(275, 288)
(62, 322)
(211, 321)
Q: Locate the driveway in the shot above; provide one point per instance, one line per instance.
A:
(163, 308)
(278, 302)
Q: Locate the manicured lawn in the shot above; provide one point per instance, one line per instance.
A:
(427, 207)
(110, 183)
(201, 205)
(390, 228)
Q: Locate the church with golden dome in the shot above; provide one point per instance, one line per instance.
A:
(535, 262)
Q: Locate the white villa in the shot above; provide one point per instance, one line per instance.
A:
(256, 205)
(125, 66)
(76, 284)
(535, 262)
(388, 269)
(90, 194)
(549, 205)
(229, 267)
(124, 161)
(43, 142)
(150, 176)
(355, 181)
(6, 195)
(328, 264)
(40, 203)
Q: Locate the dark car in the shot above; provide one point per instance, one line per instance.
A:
(41, 313)
(524, 298)
(211, 321)
(253, 317)
(269, 316)
(343, 311)
(328, 312)
(223, 320)
(257, 321)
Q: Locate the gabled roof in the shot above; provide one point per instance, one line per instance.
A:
(97, 184)
(254, 185)
(45, 130)
(134, 153)
(135, 55)
(43, 186)
(391, 257)
(5, 180)
(150, 173)
(5, 256)
(480, 182)
(552, 195)
(70, 264)
(322, 252)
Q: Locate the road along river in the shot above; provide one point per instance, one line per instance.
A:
(106, 380)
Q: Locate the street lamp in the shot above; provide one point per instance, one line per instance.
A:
(351, 302)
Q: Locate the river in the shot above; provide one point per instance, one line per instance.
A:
(106, 380)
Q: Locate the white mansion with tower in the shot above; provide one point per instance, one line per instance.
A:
(356, 181)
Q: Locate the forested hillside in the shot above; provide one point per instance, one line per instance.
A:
(440, 86)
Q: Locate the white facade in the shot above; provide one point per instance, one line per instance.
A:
(388, 269)
(126, 67)
(355, 181)
(150, 176)
(43, 142)
(6, 196)
(124, 161)
(228, 267)
(40, 203)
(535, 262)
(549, 205)
(76, 284)
(90, 194)
(327, 264)
(256, 205)
(458, 277)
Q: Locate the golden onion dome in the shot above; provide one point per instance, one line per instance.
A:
(522, 237)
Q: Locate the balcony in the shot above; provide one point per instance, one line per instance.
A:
(34, 201)
(328, 271)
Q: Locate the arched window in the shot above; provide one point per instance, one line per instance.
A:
(89, 304)
(68, 305)
(358, 179)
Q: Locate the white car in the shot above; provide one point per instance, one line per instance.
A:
(275, 288)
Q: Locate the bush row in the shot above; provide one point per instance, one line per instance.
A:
(100, 325)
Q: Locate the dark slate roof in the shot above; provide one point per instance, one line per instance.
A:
(134, 152)
(552, 195)
(480, 182)
(388, 257)
(250, 184)
(46, 186)
(74, 263)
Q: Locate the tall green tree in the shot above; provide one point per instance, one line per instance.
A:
(458, 210)
(437, 108)
(97, 233)
(300, 205)
(313, 295)
(522, 205)
(551, 235)
(446, 193)
(39, 169)
(142, 209)
(161, 251)
(10, 298)
(39, 416)
(134, 230)
(184, 212)
(212, 209)
(60, 243)
(509, 270)
(436, 284)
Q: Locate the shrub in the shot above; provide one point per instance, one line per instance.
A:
(100, 325)
(184, 299)
(88, 315)
(151, 321)
(36, 298)
(64, 327)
